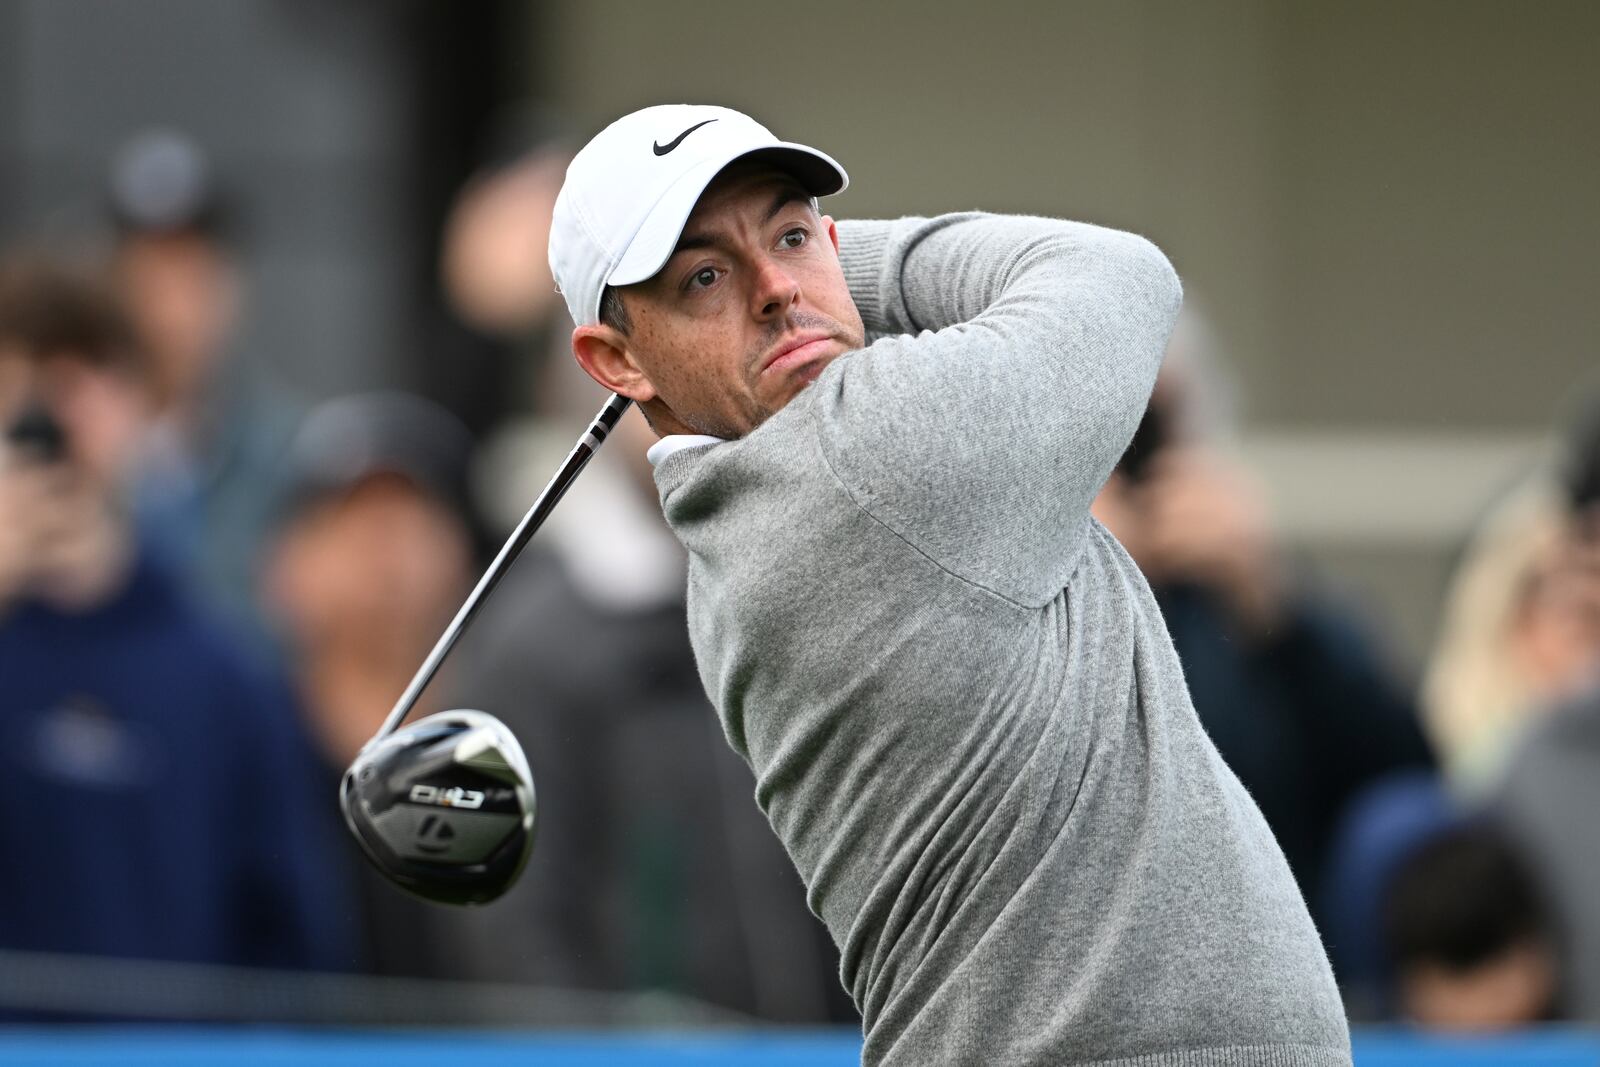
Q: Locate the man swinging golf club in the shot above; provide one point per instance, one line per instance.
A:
(880, 441)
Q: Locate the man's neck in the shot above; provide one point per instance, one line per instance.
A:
(89, 571)
(349, 697)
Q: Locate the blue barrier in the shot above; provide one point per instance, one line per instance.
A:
(1548, 1047)
(176, 1047)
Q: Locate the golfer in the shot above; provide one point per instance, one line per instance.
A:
(879, 443)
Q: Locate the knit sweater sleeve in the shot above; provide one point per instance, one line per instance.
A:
(1014, 359)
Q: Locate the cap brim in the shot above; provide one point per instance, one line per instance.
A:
(652, 246)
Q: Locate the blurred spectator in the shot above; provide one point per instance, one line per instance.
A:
(1551, 789)
(158, 792)
(1288, 683)
(653, 869)
(372, 558)
(1470, 941)
(1521, 626)
(1512, 640)
(1379, 827)
(210, 476)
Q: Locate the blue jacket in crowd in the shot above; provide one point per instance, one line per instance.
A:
(158, 793)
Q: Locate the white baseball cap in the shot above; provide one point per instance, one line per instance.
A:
(630, 190)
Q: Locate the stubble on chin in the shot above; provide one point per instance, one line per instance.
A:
(756, 410)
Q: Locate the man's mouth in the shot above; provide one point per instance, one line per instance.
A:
(797, 351)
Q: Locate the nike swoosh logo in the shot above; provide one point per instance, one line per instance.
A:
(663, 149)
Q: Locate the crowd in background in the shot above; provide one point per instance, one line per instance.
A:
(210, 597)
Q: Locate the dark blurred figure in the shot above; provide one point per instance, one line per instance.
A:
(506, 317)
(1470, 941)
(1288, 683)
(210, 475)
(494, 267)
(371, 559)
(653, 868)
(1549, 795)
(157, 794)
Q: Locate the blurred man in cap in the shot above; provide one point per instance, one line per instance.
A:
(210, 472)
(968, 726)
(371, 557)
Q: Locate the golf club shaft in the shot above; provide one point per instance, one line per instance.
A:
(587, 446)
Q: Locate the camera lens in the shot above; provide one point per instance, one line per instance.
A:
(37, 435)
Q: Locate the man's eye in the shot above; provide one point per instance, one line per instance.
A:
(793, 239)
(703, 278)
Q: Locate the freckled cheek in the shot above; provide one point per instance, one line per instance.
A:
(829, 293)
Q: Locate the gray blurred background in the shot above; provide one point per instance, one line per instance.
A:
(1386, 210)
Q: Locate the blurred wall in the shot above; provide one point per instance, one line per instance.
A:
(305, 111)
(1387, 209)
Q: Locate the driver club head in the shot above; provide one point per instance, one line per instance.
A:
(444, 807)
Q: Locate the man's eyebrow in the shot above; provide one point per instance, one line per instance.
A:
(694, 240)
(789, 194)
(786, 196)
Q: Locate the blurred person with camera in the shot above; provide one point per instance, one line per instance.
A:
(159, 793)
(370, 557)
(210, 474)
(1290, 685)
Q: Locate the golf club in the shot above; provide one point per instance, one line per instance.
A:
(445, 807)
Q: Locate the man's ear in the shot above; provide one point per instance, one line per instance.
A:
(833, 232)
(604, 355)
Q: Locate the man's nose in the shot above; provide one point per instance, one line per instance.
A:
(776, 290)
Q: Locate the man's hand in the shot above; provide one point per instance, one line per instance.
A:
(24, 491)
(59, 535)
(1558, 628)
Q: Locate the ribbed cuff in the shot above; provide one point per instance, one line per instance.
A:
(1238, 1056)
(864, 255)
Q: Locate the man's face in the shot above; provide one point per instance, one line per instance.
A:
(181, 292)
(748, 311)
(378, 566)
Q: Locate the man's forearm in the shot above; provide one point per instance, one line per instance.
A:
(913, 274)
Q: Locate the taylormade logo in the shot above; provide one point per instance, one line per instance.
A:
(454, 797)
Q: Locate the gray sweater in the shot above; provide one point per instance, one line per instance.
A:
(965, 717)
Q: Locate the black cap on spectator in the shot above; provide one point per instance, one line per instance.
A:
(1461, 897)
(161, 182)
(345, 441)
